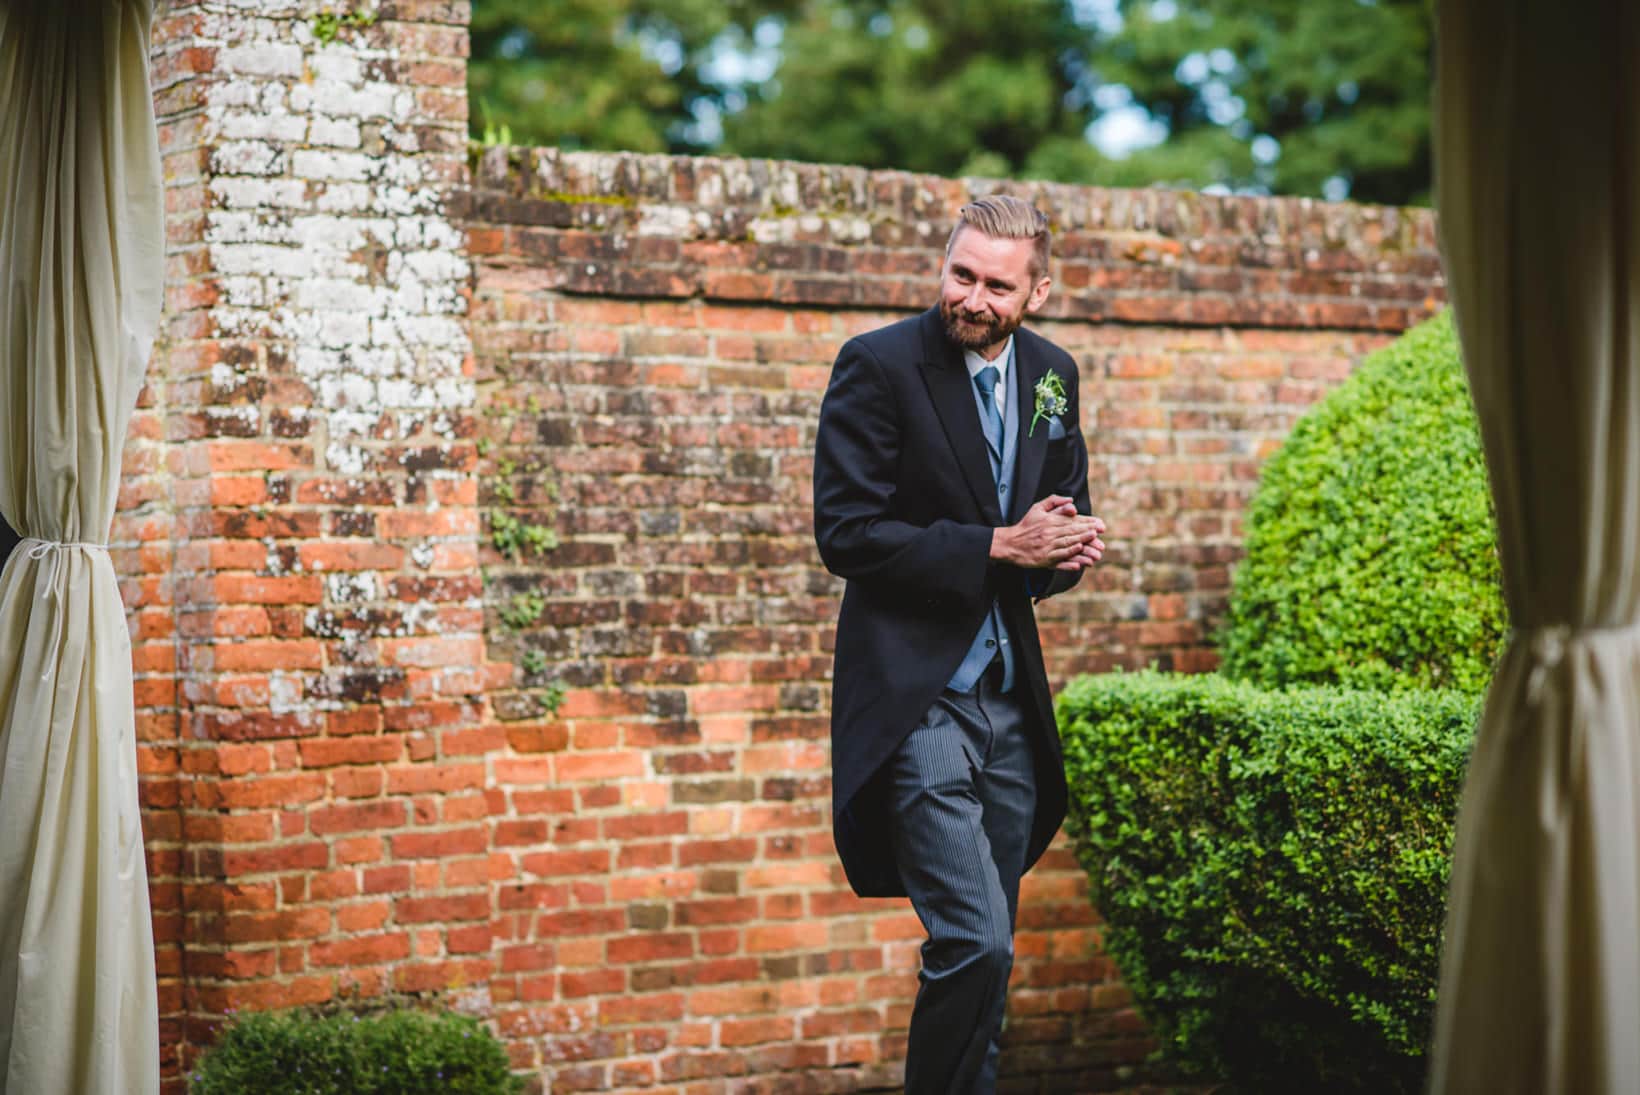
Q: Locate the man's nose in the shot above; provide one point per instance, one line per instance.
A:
(975, 301)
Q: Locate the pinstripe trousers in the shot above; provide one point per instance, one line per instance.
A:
(964, 795)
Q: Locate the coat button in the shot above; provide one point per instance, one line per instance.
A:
(989, 643)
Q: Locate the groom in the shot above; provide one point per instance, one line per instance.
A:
(950, 488)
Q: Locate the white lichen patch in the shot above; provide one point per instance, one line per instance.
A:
(673, 222)
(352, 587)
(333, 256)
(327, 228)
(284, 693)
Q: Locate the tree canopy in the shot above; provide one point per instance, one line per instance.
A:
(1320, 97)
(947, 86)
(613, 74)
(1324, 97)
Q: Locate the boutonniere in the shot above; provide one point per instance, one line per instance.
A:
(1051, 401)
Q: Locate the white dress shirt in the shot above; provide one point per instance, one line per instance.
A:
(1004, 364)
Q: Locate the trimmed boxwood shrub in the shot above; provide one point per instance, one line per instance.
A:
(393, 1053)
(1371, 547)
(1271, 868)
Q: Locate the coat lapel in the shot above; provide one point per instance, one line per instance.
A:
(953, 396)
(1029, 367)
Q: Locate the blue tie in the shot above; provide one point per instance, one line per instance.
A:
(986, 380)
(995, 632)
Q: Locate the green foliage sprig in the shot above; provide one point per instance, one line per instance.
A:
(327, 24)
(1051, 400)
(512, 536)
(1271, 868)
(515, 534)
(523, 610)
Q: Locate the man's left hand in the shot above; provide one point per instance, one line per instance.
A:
(1090, 552)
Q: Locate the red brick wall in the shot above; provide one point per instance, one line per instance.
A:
(652, 337)
(582, 790)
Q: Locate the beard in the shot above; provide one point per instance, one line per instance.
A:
(976, 331)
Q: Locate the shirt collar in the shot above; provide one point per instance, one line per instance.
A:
(1003, 362)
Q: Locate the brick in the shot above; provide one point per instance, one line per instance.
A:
(255, 455)
(269, 790)
(591, 861)
(438, 845)
(599, 766)
(354, 817)
(651, 947)
(267, 927)
(242, 589)
(663, 1007)
(367, 849)
(270, 654)
(327, 752)
(414, 910)
(746, 1032)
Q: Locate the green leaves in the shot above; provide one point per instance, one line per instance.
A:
(1271, 868)
(391, 1053)
(1270, 848)
(576, 73)
(918, 85)
(523, 610)
(1051, 400)
(327, 24)
(512, 536)
(1323, 96)
(1337, 89)
(1371, 547)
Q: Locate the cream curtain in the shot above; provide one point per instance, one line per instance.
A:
(81, 260)
(1538, 187)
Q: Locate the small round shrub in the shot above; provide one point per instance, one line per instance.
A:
(1371, 546)
(400, 1052)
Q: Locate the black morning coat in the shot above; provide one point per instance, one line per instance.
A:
(904, 507)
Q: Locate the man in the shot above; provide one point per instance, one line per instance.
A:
(950, 487)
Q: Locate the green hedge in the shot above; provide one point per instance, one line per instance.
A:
(1371, 547)
(393, 1053)
(1271, 868)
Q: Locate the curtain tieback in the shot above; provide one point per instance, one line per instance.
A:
(36, 549)
(1548, 645)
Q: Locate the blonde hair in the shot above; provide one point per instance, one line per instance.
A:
(1004, 217)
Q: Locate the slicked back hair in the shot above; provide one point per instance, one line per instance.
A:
(1004, 217)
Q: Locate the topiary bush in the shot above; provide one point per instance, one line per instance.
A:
(1371, 546)
(392, 1053)
(1271, 868)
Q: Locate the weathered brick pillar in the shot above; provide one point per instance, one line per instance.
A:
(301, 499)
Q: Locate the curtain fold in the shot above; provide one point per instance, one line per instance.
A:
(1536, 138)
(81, 264)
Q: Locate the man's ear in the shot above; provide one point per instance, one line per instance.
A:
(1039, 294)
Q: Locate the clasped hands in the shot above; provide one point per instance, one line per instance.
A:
(1051, 534)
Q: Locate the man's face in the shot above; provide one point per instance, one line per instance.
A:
(986, 290)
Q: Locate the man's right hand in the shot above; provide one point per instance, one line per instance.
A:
(1051, 534)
